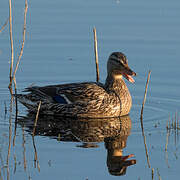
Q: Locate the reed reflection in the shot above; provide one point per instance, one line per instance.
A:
(113, 132)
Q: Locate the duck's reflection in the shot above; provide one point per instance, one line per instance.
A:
(113, 131)
(116, 162)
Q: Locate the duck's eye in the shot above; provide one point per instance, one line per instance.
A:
(117, 60)
(124, 60)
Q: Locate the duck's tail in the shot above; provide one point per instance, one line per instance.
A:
(24, 99)
(32, 99)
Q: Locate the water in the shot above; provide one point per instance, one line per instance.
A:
(59, 49)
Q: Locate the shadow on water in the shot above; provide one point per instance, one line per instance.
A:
(113, 132)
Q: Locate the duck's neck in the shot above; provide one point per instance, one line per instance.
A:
(115, 83)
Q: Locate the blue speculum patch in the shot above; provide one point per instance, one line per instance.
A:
(60, 99)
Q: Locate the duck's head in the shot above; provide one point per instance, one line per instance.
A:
(117, 66)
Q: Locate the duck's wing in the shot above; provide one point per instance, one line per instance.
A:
(69, 93)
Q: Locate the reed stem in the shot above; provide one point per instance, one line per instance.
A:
(96, 54)
(152, 173)
(145, 93)
(22, 46)
(141, 118)
(37, 115)
(11, 41)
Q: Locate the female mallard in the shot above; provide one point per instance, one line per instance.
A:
(88, 99)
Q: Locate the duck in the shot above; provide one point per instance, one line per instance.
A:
(85, 99)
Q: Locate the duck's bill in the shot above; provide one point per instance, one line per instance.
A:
(129, 162)
(128, 73)
(127, 157)
(129, 77)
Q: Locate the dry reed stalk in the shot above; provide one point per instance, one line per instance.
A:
(34, 129)
(11, 41)
(22, 46)
(145, 93)
(38, 166)
(152, 173)
(96, 55)
(147, 156)
(167, 140)
(37, 115)
(141, 118)
(4, 25)
(35, 155)
(35, 151)
(168, 133)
